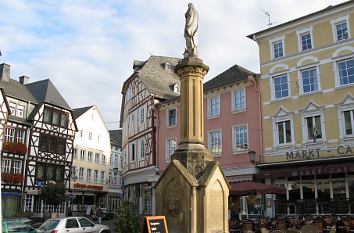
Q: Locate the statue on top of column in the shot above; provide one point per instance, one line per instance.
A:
(191, 32)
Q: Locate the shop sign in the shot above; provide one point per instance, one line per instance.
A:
(315, 153)
(90, 187)
(239, 178)
(154, 224)
(323, 170)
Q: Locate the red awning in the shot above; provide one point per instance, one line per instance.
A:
(245, 188)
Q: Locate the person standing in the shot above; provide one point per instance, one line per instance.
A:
(99, 214)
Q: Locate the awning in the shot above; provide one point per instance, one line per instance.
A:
(245, 188)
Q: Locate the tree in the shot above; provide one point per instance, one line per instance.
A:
(127, 219)
(53, 193)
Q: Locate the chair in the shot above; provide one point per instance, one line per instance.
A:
(292, 231)
(309, 229)
(247, 226)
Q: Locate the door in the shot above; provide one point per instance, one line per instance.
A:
(86, 225)
(72, 226)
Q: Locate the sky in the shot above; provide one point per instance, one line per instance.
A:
(87, 47)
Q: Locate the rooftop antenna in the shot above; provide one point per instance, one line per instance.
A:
(268, 15)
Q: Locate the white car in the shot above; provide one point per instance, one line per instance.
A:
(72, 225)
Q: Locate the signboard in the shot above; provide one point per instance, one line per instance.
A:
(154, 224)
(317, 153)
(88, 186)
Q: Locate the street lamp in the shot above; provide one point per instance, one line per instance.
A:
(252, 157)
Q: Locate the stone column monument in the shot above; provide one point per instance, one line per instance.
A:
(192, 192)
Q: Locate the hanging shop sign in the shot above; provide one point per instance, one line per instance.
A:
(88, 186)
(317, 153)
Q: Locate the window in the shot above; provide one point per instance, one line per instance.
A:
(115, 178)
(52, 144)
(239, 100)
(348, 122)
(116, 159)
(313, 128)
(20, 110)
(171, 117)
(85, 223)
(103, 160)
(49, 172)
(240, 138)
(141, 149)
(132, 152)
(111, 160)
(309, 80)
(215, 142)
(97, 158)
(170, 148)
(17, 166)
(281, 86)
(71, 223)
(81, 173)
(277, 49)
(142, 114)
(306, 42)
(342, 30)
(6, 165)
(12, 108)
(82, 154)
(346, 71)
(89, 156)
(214, 106)
(88, 175)
(55, 117)
(95, 176)
(283, 131)
(10, 134)
(102, 177)
(90, 135)
(81, 133)
(29, 203)
(75, 153)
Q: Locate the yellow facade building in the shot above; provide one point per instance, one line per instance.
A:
(307, 99)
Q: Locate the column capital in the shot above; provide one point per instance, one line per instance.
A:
(191, 66)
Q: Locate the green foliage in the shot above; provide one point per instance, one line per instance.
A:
(127, 218)
(53, 193)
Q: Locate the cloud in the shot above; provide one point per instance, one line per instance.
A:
(87, 47)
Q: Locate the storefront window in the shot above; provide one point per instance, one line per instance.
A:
(251, 205)
(323, 196)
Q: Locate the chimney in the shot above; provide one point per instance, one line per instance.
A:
(5, 72)
(23, 80)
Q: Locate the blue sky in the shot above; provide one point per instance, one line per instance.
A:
(87, 47)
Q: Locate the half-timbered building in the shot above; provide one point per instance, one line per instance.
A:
(50, 145)
(15, 140)
(153, 81)
(37, 143)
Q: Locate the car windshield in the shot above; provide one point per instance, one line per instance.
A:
(18, 227)
(50, 224)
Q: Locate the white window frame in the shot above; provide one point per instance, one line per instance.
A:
(210, 133)
(81, 173)
(170, 150)
(304, 126)
(235, 150)
(141, 149)
(88, 175)
(12, 108)
(233, 100)
(97, 158)
(300, 81)
(272, 85)
(341, 110)
(82, 155)
(20, 136)
(300, 33)
(20, 111)
(90, 135)
(102, 177)
(90, 156)
(142, 114)
(103, 159)
(336, 70)
(6, 165)
(16, 166)
(273, 41)
(275, 131)
(95, 176)
(335, 22)
(10, 134)
(217, 114)
(168, 118)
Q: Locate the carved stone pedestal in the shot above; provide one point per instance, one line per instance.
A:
(193, 192)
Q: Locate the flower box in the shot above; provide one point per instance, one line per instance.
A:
(15, 148)
(12, 178)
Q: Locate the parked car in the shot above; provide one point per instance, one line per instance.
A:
(73, 225)
(16, 226)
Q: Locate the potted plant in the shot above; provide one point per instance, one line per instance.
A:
(12, 178)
